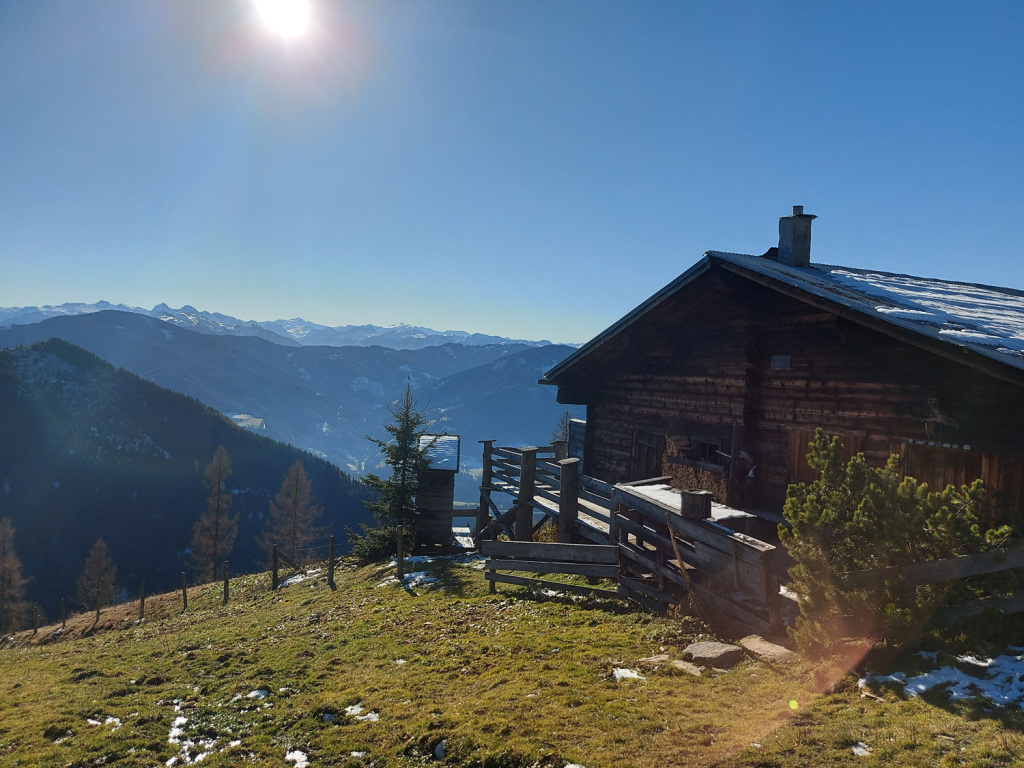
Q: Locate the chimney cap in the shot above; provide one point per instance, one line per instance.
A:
(798, 210)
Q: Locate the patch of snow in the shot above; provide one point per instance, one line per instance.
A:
(1000, 680)
(419, 579)
(177, 730)
(400, 662)
(298, 578)
(621, 674)
(259, 693)
(298, 757)
(861, 749)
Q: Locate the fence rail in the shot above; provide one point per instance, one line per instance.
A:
(663, 553)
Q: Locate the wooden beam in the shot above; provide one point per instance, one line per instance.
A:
(573, 569)
(576, 589)
(570, 553)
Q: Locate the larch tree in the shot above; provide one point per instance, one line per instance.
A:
(12, 580)
(396, 496)
(213, 535)
(293, 515)
(96, 584)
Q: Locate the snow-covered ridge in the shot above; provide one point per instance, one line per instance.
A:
(293, 332)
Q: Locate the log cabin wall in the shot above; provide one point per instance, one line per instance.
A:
(728, 363)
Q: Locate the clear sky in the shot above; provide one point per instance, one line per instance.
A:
(532, 168)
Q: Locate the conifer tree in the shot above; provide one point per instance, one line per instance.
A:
(96, 584)
(213, 535)
(292, 522)
(396, 496)
(12, 580)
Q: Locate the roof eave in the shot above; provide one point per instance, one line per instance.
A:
(699, 268)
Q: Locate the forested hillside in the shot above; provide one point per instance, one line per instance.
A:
(89, 451)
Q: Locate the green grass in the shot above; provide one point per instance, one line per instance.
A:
(504, 681)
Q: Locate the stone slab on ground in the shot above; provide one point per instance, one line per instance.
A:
(654, 661)
(712, 654)
(766, 650)
(686, 666)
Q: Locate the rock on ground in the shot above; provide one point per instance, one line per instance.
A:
(765, 650)
(712, 654)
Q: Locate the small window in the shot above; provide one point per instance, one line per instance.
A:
(707, 450)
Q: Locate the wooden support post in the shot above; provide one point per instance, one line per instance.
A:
(568, 499)
(142, 602)
(483, 512)
(97, 621)
(225, 582)
(400, 559)
(696, 505)
(330, 563)
(524, 508)
(613, 522)
(273, 568)
(35, 620)
(63, 615)
(184, 593)
(561, 449)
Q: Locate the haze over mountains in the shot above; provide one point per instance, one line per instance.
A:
(295, 332)
(321, 398)
(89, 451)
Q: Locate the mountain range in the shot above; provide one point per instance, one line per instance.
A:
(295, 332)
(327, 399)
(88, 450)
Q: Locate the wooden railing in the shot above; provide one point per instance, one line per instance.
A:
(663, 554)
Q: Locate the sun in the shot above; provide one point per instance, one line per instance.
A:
(287, 18)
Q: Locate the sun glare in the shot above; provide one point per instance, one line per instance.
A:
(288, 18)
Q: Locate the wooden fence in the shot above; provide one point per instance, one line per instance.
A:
(600, 562)
(662, 553)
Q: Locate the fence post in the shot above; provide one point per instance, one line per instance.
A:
(225, 582)
(524, 507)
(63, 615)
(273, 568)
(330, 563)
(568, 499)
(561, 449)
(696, 505)
(184, 593)
(483, 512)
(35, 620)
(400, 560)
(142, 602)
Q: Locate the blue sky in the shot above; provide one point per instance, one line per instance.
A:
(531, 169)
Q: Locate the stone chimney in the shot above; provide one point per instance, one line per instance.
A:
(795, 238)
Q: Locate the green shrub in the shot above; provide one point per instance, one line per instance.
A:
(377, 543)
(855, 518)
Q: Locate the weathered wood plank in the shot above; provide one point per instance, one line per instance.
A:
(570, 553)
(573, 569)
(642, 599)
(525, 581)
(946, 569)
(632, 553)
(663, 597)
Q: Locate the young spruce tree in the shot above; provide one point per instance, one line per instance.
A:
(213, 535)
(12, 580)
(293, 515)
(96, 584)
(396, 495)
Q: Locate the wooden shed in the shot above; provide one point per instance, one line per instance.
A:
(435, 492)
(721, 377)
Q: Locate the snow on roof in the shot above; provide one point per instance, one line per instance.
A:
(986, 319)
(442, 450)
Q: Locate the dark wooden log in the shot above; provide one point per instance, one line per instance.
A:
(142, 602)
(184, 593)
(524, 508)
(330, 563)
(274, 565)
(400, 558)
(696, 505)
(225, 582)
(568, 502)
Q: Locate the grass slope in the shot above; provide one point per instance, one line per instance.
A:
(501, 681)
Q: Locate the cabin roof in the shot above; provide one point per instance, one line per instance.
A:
(943, 315)
(442, 451)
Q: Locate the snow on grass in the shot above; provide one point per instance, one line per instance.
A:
(298, 578)
(356, 711)
(1000, 680)
(259, 693)
(860, 749)
(298, 757)
(622, 673)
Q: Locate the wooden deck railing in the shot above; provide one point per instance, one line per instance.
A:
(663, 554)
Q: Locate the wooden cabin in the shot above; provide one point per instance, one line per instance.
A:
(720, 378)
(435, 491)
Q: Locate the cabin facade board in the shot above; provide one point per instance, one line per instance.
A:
(720, 380)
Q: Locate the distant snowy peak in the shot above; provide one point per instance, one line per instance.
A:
(294, 332)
